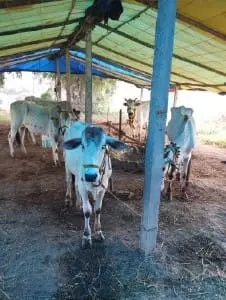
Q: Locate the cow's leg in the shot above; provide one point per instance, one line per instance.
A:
(23, 132)
(33, 138)
(97, 209)
(188, 173)
(55, 154)
(140, 132)
(169, 191)
(185, 172)
(78, 202)
(68, 200)
(11, 137)
(87, 210)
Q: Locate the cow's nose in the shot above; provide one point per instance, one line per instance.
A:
(185, 118)
(91, 177)
(130, 114)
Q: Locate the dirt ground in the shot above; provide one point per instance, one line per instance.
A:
(40, 240)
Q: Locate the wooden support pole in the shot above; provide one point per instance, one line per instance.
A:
(164, 37)
(88, 91)
(58, 80)
(68, 78)
(120, 125)
(141, 94)
(175, 96)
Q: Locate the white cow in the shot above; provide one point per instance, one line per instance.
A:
(49, 121)
(181, 130)
(63, 105)
(138, 114)
(87, 158)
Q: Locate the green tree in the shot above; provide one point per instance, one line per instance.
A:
(2, 77)
(31, 98)
(46, 96)
(103, 89)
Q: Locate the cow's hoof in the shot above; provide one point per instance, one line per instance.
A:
(68, 202)
(86, 243)
(184, 194)
(78, 207)
(57, 163)
(99, 237)
(169, 196)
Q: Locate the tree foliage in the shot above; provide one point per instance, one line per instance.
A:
(103, 89)
(2, 77)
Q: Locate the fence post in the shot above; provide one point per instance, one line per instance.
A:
(120, 125)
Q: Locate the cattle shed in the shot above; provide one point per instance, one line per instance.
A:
(29, 27)
(65, 36)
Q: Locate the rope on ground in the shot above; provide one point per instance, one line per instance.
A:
(124, 204)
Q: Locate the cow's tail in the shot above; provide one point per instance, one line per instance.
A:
(18, 139)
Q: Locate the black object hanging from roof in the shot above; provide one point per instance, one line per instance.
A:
(106, 9)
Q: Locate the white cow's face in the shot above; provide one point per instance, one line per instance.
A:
(93, 148)
(131, 107)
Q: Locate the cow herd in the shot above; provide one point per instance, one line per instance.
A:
(86, 149)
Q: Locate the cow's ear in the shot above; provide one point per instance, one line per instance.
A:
(72, 144)
(138, 103)
(116, 144)
(126, 104)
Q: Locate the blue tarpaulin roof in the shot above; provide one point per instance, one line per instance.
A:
(41, 62)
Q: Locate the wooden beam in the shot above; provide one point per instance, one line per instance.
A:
(205, 84)
(35, 42)
(4, 64)
(87, 23)
(175, 98)
(115, 75)
(122, 24)
(68, 78)
(164, 36)
(141, 94)
(66, 20)
(16, 56)
(58, 81)
(6, 4)
(88, 78)
(140, 42)
(37, 28)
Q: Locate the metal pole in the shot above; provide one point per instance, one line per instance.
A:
(88, 92)
(164, 37)
(68, 78)
(141, 94)
(58, 80)
(120, 125)
(175, 96)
